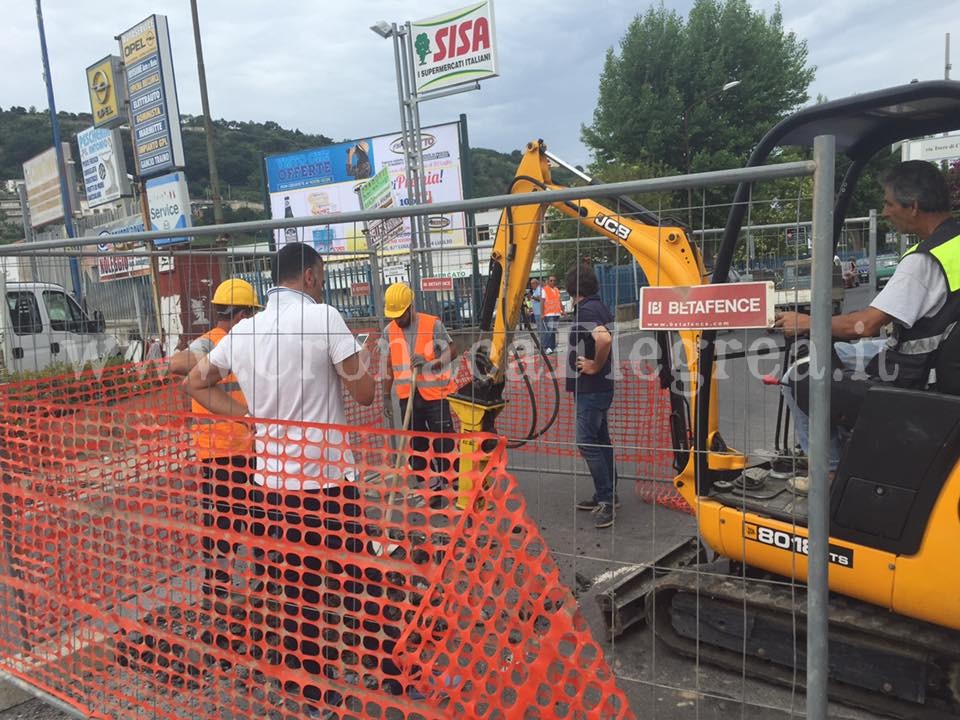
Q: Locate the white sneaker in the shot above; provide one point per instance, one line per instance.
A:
(800, 484)
(548, 351)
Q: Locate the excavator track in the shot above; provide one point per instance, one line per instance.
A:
(879, 661)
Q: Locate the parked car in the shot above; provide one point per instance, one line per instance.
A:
(886, 266)
(863, 270)
(455, 313)
(566, 302)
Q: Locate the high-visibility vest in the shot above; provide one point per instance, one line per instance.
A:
(220, 438)
(430, 384)
(551, 301)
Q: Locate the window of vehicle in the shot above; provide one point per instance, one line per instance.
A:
(24, 313)
(886, 261)
(65, 314)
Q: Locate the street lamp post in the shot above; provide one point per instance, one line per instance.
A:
(686, 137)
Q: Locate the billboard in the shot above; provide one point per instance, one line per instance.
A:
(103, 166)
(454, 48)
(327, 180)
(154, 113)
(42, 180)
(111, 264)
(169, 204)
(107, 92)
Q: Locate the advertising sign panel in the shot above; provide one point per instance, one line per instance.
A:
(378, 193)
(154, 112)
(111, 264)
(169, 204)
(936, 148)
(104, 168)
(322, 181)
(455, 48)
(707, 307)
(42, 180)
(107, 92)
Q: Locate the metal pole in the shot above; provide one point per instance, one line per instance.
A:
(466, 163)
(207, 120)
(421, 189)
(413, 272)
(946, 58)
(27, 227)
(61, 164)
(824, 155)
(872, 250)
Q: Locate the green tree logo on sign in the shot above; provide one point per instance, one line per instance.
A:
(422, 46)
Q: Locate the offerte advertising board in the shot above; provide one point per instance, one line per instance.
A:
(42, 179)
(328, 180)
(154, 112)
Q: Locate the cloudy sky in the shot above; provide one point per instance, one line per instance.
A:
(315, 65)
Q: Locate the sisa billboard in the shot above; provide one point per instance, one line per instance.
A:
(454, 48)
(325, 181)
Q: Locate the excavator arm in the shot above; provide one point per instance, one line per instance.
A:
(663, 252)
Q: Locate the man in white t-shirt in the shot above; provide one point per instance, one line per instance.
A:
(917, 201)
(292, 362)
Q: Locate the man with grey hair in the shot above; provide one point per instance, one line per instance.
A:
(922, 299)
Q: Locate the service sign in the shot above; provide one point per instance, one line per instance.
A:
(154, 112)
(707, 307)
(455, 48)
(104, 168)
(107, 92)
(317, 183)
(112, 263)
(169, 206)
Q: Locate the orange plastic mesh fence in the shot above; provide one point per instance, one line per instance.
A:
(138, 581)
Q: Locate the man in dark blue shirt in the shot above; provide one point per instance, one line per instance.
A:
(590, 379)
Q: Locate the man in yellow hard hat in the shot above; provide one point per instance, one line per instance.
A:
(224, 448)
(419, 343)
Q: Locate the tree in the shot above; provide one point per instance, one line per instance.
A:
(668, 68)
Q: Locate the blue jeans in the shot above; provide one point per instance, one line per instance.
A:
(854, 356)
(593, 442)
(548, 336)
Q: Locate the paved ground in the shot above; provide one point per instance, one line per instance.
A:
(658, 683)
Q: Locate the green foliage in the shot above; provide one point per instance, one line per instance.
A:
(669, 71)
(239, 146)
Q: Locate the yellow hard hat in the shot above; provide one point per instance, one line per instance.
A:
(397, 299)
(236, 293)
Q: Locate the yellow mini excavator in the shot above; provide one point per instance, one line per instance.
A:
(895, 501)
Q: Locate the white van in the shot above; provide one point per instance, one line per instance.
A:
(43, 326)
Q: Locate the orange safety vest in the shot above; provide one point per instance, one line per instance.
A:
(220, 438)
(551, 301)
(431, 385)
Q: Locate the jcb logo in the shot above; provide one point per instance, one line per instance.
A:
(612, 226)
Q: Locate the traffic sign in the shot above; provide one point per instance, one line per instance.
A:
(707, 307)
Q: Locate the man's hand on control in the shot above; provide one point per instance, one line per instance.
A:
(792, 323)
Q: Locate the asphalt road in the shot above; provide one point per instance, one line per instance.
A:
(658, 683)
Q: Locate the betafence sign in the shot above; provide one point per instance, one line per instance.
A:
(455, 48)
(707, 307)
(169, 205)
(154, 113)
(436, 284)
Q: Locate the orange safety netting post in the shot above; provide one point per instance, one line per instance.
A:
(327, 575)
